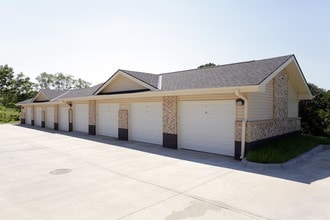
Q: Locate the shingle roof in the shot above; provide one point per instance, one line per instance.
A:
(81, 92)
(52, 94)
(27, 101)
(149, 78)
(230, 75)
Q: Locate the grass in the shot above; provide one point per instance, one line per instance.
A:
(9, 122)
(283, 150)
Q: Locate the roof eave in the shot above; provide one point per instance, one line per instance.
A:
(157, 93)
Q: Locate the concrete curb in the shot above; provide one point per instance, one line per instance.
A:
(293, 162)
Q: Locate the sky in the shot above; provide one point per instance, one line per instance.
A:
(92, 39)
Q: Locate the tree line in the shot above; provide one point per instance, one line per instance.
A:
(15, 88)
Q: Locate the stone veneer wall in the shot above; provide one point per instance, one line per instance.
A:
(122, 124)
(32, 115)
(170, 121)
(56, 107)
(280, 124)
(43, 117)
(70, 118)
(92, 117)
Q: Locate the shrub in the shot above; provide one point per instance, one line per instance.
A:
(8, 114)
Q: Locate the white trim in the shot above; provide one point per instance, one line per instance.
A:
(309, 96)
(225, 90)
(120, 72)
(277, 71)
(40, 92)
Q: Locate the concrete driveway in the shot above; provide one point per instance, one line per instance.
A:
(53, 175)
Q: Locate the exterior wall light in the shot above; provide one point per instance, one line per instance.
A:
(239, 102)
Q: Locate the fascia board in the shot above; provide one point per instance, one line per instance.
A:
(226, 90)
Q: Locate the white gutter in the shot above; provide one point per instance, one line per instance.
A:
(243, 133)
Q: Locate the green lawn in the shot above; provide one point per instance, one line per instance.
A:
(10, 122)
(283, 150)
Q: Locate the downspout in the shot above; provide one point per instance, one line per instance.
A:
(243, 133)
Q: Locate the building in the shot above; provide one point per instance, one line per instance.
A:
(204, 109)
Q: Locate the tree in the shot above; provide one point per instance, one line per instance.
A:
(315, 113)
(206, 65)
(14, 89)
(60, 81)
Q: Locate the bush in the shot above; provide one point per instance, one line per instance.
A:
(8, 114)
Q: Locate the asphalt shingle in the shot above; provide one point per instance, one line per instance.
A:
(237, 74)
(149, 78)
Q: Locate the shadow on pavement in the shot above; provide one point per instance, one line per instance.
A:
(314, 169)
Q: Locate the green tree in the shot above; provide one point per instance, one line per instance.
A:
(60, 81)
(13, 88)
(315, 113)
(206, 65)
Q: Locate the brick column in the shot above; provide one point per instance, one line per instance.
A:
(23, 115)
(43, 114)
(123, 124)
(92, 117)
(70, 118)
(170, 133)
(32, 115)
(56, 117)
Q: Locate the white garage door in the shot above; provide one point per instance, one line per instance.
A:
(49, 117)
(207, 126)
(80, 118)
(28, 115)
(63, 118)
(146, 122)
(107, 119)
(37, 116)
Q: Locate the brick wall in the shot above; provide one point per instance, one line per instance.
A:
(170, 115)
(92, 112)
(123, 119)
(280, 124)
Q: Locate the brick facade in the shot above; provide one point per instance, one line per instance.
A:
(280, 124)
(92, 112)
(123, 119)
(170, 122)
(170, 115)
(56, 107)
(92, 117)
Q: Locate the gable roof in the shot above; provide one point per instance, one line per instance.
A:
(52, 94)
(47, 95)
(252, 75)
(230, 75)
(149, 78)
(148, 81)
(81, 92)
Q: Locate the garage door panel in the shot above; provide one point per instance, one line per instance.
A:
(49, 117)
(207, 126)
(63, 119)
(37, 116)
(146, 122)
(28, 115)
(80, 121)
(107, 119)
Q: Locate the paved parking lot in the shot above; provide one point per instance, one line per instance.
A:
(52, 175)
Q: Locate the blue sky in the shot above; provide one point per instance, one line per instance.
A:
(92, 39)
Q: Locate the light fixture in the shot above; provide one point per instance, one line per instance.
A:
(239, 102)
